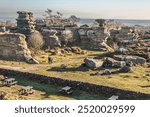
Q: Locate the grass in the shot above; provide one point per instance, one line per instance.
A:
(44, 92)
(136, 81)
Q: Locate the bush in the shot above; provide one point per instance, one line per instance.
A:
(36, 40)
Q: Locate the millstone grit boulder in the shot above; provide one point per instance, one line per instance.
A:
(92, 63)
(129, 58)
(50, 38)
(13, 46)
(135, 60)
(32, 61)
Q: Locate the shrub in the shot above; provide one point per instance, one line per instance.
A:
(36, 40)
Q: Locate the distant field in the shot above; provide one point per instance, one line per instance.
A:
(138, 81)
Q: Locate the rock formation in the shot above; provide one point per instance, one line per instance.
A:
(25, 23)
(123, 36)
(50, 38)
(93, 37)
(13, 47)
(92, 63)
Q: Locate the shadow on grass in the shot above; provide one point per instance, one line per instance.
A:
(49, 90)
(147, 86)
(59, 69)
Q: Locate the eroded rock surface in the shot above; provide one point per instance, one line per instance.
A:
(13, 47)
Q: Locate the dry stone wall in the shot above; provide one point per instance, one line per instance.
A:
(88, 87)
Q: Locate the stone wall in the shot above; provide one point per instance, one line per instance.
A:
(13, 46)
(84, 86)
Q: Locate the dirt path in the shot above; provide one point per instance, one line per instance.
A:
(31, 67)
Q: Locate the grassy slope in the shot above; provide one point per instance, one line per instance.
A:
(136, 81)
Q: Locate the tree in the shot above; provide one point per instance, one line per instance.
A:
(36, 40)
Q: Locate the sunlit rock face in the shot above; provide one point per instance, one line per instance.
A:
(91, 38)
(97, 36)
(13, 47)
(125, 33)
(50, 38)
(124, 36)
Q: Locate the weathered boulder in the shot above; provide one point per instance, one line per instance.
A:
(32, 61)
(92, 63)
(107, 63)
(13, 46)
(118, 57)
(135, 60)
(126, 69)
(54, 40)
(50, 38)
(97, 36)
(122, 37)
(129, 58)
(25, 23)
(119, 64)
(126, 33)
(122, 51)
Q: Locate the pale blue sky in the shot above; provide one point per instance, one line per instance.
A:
(118, 9)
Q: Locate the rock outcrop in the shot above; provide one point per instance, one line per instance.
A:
(136, 60)
(50, 38)
(13, 46)
(25, 23)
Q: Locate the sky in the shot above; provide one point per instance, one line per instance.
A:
(109, 9)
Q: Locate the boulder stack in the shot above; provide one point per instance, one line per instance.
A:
(25, 23)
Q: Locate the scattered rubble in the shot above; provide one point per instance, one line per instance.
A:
(67, 51)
